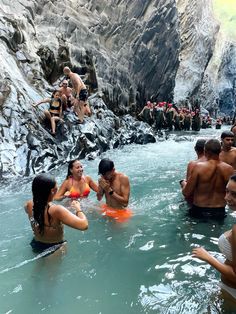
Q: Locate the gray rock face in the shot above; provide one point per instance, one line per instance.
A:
(126, 52)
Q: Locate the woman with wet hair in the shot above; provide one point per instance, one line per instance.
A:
(47, 219)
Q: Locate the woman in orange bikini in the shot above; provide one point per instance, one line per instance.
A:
(76, 185)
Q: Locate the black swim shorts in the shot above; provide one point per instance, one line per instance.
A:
(39, 247)
(207, 212)
(83, 95)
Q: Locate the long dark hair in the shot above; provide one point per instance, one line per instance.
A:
(41, 189)
(70, 166)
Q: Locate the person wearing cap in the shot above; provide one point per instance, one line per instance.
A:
(114, 185)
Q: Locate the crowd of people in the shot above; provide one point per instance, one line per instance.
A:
(164, 115)
(47, 218)
(210, 184)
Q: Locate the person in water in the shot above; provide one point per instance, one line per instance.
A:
(227, 245)
(54, 114)
(114, 185)
(76, 185)
(228, 152)
(47, 219)
(199, 149)
(207, 183)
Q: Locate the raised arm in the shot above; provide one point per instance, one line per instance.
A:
(76, 221)
(44, 101)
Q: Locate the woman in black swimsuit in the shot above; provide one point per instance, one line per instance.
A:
(47, 219)
(54, 114)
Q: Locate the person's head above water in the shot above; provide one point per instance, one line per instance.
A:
(43, 188)
(226, 134)
(105, 165)
(230, 195)
(212, 147)
(199, 146)
(74, 168)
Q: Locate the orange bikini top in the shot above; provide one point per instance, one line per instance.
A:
(76, 194)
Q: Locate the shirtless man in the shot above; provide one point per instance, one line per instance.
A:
(81, 94)
(113, 184)
(199, 149)
(66, 95)
(228, 152)
(207, 183)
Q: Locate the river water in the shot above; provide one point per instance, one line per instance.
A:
(141, 266)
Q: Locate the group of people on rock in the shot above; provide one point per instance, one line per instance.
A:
(210, 184)
(67, 98)
(164, 115)
(47, 218)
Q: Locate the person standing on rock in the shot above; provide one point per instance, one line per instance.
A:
(81, 107)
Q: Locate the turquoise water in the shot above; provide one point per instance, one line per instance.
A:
(143, 266)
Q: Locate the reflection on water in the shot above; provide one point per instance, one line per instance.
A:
(143, 266)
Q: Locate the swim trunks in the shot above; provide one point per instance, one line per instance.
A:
(39, 247)
(83, 95)
(207, 212)
(119, 215)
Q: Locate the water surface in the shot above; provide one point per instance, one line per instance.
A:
(143, 266)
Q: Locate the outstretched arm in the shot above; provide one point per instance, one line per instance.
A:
(44, 101)
(226, 270)
(76, 221)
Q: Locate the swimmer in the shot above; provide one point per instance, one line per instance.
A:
(207, 183)
(227, 244)
(228, 152)
(199, 149)
(115, 185)
(47, 219)
(76, 185)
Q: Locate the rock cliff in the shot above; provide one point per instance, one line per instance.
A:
(126, 52)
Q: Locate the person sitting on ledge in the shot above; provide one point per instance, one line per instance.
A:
(54, 114)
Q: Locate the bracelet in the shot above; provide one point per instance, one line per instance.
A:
(78, 211)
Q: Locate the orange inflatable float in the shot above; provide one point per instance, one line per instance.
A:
(119, 215)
